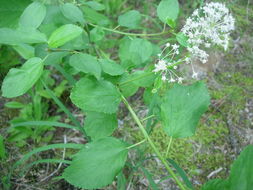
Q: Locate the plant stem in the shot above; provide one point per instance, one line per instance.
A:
(169, 145)
(137, 78)
(136, 144)
(159, 155)
(147, 118)
(127, 33)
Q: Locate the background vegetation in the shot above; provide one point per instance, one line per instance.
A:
(223, 132)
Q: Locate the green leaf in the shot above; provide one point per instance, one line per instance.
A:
(94, 17)
(96, 34)
(130, 19)
(11, 10)
(45, 148)
(99, 125)
(95, 5)
(14, 105)
(25, 50)
(216, 184)
(182, 108)
(127, 86)
(142, 78)
(149, 178)
(33, 15)
(64, 34)
(168, 10)
(241, 176)
(182, 39)
(2, 148)
(135, 51)
(98, 96)
(182, 173)
(22, 35)
(19, 81)
(97, 164)
(121, 181)
(111, 68)
(86, 63)
(72, 12)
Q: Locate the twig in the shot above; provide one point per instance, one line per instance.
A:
(59, 166)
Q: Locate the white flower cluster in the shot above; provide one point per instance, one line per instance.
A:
(208, 25)
(166, 63)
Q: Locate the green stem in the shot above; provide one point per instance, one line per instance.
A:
(127, 33)
(147, 118)
(159, 155)
(169, 145)
(136, 144)
(137, 78)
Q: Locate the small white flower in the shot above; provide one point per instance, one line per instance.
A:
(167, 44)
(175, 46)
(208, 25)
(180, 80)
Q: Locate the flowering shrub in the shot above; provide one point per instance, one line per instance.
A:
(71, 39)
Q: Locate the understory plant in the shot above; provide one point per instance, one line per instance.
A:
(106, 63)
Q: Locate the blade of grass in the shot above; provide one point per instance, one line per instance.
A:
(182, 173)
(148, 175)
(27, 167)
(70, 79)
(43, 123)
(63, 107)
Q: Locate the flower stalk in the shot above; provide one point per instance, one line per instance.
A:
(157, 152)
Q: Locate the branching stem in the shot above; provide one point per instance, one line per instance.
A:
(127, 33)
(159, 155)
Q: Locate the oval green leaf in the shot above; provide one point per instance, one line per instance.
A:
(72, 12)
(33, 15)
(168, 10)
(130, 19)
(98, 96)
(86, 63)
(64, 34)
(97, 164)
(99, 125)
(19, 81)
(111, 68)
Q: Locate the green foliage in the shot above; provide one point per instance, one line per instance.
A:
(22, 35)
(182, 39)
(19, 81)
(134, 52)
(86, 63)
(111, 68)
(168, 11)
(130, 19)
(102, 122)
(64, 34)
(98, 96)
(182, 108)
(11, 15)
(103, 65)
(33, 15)
(108, 153)
(241, 176)
(72, 12)
(2, 148)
